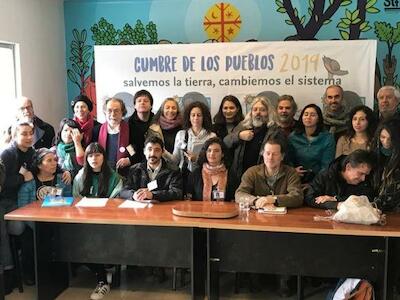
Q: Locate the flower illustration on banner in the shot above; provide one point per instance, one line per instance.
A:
(222, 22)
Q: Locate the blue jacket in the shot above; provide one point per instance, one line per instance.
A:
(315, 154)
(27, 192)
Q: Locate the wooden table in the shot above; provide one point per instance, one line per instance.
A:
(150, 236)
(284, 244)
(296, 244)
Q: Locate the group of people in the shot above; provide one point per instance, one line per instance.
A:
(264, 158)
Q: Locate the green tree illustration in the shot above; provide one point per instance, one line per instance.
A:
(354, 22)
(320, 14)
(104, 33)
(391, 36)
(80, 59)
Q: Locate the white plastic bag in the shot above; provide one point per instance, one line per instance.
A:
(358, 210)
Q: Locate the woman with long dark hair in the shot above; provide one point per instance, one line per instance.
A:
(361, 127)
(188, 142)
(209, 181)
(311, 148)
(228, 116)
(96, 178)
(386, 175)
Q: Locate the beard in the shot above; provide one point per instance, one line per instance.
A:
(284, 118)
(259, 121)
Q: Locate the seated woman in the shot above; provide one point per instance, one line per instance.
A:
(361, 127)
(209, 181)
(82, 107)
(45, 181)
(311, 148)
(386, 175)
(68, 146)
(97, 179)
(166, 124)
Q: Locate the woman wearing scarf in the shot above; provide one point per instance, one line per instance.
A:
(68, 146)
(208, 182)
(166, 124)
(82, 107)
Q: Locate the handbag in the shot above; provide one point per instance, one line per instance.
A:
(358, 210)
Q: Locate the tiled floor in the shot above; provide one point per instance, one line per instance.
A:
(134, 285)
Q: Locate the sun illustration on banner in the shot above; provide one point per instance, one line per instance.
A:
(222, 22)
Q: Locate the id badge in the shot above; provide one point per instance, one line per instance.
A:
(152, 185)
(218, 195)
(55, 191)
(130, 150)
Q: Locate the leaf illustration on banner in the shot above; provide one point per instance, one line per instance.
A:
(391, 36)
(80, 59)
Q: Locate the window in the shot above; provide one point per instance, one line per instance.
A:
(10, 86)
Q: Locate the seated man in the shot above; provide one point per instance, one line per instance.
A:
(271, 182)
(345, 177)
(153, 179)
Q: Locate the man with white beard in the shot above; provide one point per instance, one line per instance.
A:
(286, 108)
(248, 137)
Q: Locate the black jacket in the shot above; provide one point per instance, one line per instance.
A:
(13, 159)
(169, 182)
(46, 134)
(195, 186)
(331, 182)
(137, 135)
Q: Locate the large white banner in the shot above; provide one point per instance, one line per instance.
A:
(208, 72)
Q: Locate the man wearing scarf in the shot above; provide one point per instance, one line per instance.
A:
(335, 111)
(114, 135)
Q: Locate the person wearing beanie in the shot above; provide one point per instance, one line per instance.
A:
(82, 107)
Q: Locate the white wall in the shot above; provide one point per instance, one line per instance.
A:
(38, 26)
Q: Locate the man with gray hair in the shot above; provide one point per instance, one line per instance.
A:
(286, 108)
(43, 132)
(335, 111)
(388, 102)
(247, 138)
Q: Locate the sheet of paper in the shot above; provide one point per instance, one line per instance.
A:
(134, 204)
(92, 202)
